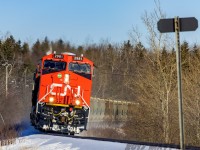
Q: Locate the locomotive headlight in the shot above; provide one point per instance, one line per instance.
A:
(51, 99)
(77, 102)
(66, 79)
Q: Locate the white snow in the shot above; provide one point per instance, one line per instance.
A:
(34, 140)
(49, 142)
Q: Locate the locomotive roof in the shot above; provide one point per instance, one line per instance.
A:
(69, 53)
(52, 56)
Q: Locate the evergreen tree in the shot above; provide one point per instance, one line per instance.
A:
(185, 55)
(196, 51)
(45, 46)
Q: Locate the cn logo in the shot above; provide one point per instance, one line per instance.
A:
(66, 88)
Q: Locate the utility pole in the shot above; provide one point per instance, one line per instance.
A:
(25, 72)
(6, 64)
(180, 104)
(6, 81)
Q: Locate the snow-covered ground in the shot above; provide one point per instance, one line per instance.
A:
(32, 139)
(48, 142)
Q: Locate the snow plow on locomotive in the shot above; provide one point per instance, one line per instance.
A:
(61, 93)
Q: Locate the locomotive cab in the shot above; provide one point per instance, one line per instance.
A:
(61, 93)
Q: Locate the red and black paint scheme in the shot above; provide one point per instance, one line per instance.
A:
(61, 93)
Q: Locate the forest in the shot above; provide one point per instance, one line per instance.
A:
(126, 71)
(129, 72)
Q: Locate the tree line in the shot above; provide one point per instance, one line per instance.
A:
(123, 71)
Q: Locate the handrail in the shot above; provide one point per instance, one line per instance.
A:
(43, 98)
(87, 106)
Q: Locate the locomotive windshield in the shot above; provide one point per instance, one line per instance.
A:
(81, 69)
(53, 66)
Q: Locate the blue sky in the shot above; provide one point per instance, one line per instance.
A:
(83, 21)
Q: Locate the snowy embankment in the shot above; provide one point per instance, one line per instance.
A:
(32, 139)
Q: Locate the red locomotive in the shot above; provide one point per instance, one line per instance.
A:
(61, 93)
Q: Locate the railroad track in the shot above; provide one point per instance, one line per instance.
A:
(153, 146)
